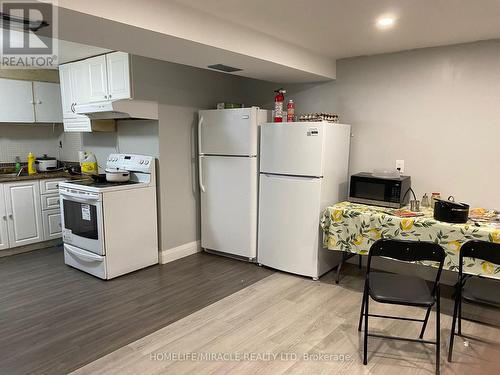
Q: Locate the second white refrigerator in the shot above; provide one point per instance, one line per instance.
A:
(303, 169)
(228, 179)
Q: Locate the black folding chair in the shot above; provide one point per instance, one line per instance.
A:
(474, 289)
(402, 289)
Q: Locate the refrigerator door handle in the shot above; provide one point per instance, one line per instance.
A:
(200, 122)
(200, 173)
(291, 177)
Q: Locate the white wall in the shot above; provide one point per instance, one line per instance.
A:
(132, 136)
(20, 139)
(435, 108)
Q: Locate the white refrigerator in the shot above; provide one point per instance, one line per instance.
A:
(303, 169)
(228, 152)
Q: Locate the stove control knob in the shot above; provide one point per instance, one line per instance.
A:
(146, 162)
(142, 161)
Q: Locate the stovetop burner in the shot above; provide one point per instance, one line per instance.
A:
(103, 184)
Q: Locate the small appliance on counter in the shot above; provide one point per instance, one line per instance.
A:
(450, 211)
(46, 163)
(368, 188)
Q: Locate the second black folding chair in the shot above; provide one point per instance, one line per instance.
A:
(402, 289)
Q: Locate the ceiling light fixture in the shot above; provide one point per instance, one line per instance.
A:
(385, 22)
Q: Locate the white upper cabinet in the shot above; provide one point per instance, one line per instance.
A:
(16, 101)
(67, 97)
(80, 82)
(98, 79)
(47, 98)
(118, 68)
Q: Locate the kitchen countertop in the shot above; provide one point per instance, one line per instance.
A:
(40, 176)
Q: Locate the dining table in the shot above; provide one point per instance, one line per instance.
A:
(352, 228)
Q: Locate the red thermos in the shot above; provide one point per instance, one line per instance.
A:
(279, 101)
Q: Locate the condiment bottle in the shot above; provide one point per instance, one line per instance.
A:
(290, 111)
(31, 163)
(425, 201)
(434, 196)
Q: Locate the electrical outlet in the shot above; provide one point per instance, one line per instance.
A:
(400, 165)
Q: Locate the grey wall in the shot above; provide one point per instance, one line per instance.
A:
(435, 108)
(181, 92)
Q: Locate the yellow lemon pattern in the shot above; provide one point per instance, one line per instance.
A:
(331, 242)
(488, 268)
(454, 246)
(337, 215)
(407, 224)
(495, 236)
(359, 239)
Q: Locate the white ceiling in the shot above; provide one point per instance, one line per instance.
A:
(70, 51)
(346, 28)
(276, 40)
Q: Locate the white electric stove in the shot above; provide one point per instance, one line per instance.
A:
(110, 229)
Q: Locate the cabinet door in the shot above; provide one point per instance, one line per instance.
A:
(98, 79)
(118, 75)
(52, 227)
(16, 101)
(47, 98)
(80, 79)
(24, 218)
(4, 238)
(67, 98)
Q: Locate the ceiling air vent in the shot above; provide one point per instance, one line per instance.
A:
(224, 68)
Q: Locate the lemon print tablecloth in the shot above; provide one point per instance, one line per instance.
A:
(354, 227)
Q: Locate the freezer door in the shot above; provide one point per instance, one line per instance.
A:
(292, 148)
(289, 212)
(229, 204)
(228, 131)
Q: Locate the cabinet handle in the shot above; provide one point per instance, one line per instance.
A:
(110, 96)
(11, 216)
(105, 96)
(39, 102)
(4, 217)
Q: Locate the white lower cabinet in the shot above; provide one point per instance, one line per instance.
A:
(4, 236)
(24, 215)
(29, 212)
(52, 227)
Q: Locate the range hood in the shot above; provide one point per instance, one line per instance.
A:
(119, 109)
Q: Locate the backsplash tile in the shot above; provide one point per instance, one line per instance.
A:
(20, 139)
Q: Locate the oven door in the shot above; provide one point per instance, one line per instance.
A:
(82, 220)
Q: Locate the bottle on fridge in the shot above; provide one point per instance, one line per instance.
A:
(228, 179)
(303, 169)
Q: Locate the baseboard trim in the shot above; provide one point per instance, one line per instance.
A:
(178, 252)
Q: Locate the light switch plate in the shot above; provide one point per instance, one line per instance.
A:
(400, 165)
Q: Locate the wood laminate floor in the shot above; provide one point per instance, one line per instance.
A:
(285, 315)
(55, 319)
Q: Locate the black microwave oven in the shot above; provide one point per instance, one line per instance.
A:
(391, 192)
